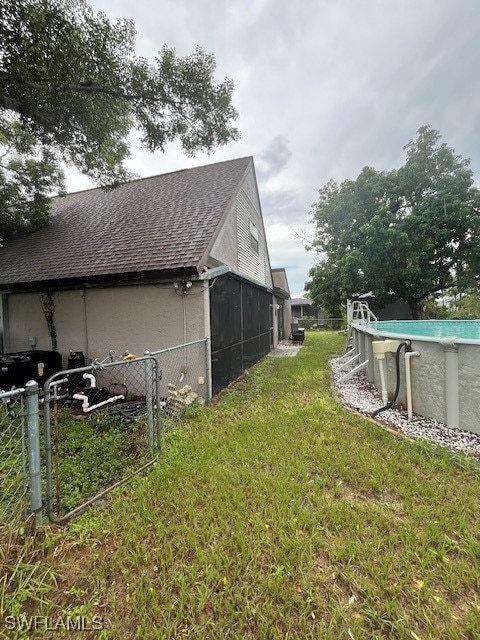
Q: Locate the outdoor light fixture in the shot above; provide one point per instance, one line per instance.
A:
(184, 286)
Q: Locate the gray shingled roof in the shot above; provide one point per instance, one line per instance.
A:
(297, 302)
(153, 224)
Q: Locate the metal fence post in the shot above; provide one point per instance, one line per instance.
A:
(159, 416)
(149, 399)
(33, 425)
(208, 358)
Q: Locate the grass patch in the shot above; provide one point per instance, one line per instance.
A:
(91, 454)
(277, 513)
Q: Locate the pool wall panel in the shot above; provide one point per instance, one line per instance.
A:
(429, 376)
(469, 386)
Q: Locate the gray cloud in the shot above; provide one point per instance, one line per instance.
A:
(273, 159)
(283, 206)
(323, 87)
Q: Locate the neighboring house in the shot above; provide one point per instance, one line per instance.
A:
(150, 264)
(396, 310)
(304, 307)
(283, 302)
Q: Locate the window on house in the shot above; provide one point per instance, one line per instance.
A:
(253, 237)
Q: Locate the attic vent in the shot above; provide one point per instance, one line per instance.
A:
(253, 237)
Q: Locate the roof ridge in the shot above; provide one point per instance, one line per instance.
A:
(157, 175)
(158, 223)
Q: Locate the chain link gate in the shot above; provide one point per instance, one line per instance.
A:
(101, 428)
(102, 425)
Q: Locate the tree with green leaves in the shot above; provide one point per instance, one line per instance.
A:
(29, 172)
(401, 235)
(72, 88)
(468, 306)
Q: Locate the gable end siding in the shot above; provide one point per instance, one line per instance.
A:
(225, 248)
(252, 264)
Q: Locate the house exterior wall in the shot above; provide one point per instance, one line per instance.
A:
(298, 311)
(253, 264)
(275, 321)
(4, 325)
(232, 246)
(97, 320)
(225, 247)
(287, 317)
(284, 312)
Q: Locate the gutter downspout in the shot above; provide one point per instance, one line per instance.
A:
(408, 380)
(85, 320)
(4, 324)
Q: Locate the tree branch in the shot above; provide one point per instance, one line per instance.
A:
(44, 119)
(439, 287)
(87, 87)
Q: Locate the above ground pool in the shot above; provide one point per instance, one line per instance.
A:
(442, 375)
(460, 329)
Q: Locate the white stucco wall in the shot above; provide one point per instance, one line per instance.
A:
(96, 320)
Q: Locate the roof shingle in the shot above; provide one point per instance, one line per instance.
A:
(158, 223)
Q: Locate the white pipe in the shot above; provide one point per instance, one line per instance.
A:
(383, 380)
(105, 402)
(91, 377)
(408, 381)
(86, 408)
(83, 398)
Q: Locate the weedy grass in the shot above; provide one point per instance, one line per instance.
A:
(277, 513)
(90, 455)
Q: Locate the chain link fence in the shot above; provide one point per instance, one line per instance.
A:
(102, 424)
(184, 380)
(20, 487)
(13, 456)
(101, 428)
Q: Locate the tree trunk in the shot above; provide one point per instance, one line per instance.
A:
(416, 308)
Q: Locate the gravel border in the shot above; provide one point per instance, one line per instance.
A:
(360, 394)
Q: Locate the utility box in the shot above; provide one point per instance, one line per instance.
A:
(381, 347)
(16, 369)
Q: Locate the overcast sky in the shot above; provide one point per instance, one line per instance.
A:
(323, 88)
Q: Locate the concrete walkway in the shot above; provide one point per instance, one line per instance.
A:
(285, 349)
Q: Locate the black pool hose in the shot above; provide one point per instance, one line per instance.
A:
(390, 404)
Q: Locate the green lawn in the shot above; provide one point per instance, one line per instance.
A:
(276, 513)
